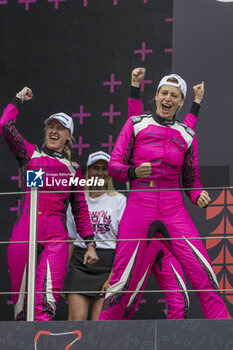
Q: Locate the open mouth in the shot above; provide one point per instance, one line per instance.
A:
(166, 108)
(53, 138)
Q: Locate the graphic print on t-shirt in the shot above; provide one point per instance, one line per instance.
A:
(100, 221)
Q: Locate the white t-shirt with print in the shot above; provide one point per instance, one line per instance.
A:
(105, 215)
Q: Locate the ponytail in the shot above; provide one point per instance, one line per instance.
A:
(67, 147)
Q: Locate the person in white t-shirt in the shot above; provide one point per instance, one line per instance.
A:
(106, 207)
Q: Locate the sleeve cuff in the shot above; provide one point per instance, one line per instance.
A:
(131, 173)
(16, 102)
(195, 109)
(88, 238)
(135, 92)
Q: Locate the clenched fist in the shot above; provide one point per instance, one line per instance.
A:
(137, 75)
(203, 200)
(199, 92)
(143, 170)
(25, 94)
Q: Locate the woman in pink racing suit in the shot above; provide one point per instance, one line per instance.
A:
(151, 152)
(159, 260)
(57, 170)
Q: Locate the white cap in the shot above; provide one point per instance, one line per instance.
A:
(181, 85)
(94, 157)
(64, 119)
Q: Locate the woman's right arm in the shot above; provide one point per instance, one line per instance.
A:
(134, 101)
(19, 147)
(119, 166)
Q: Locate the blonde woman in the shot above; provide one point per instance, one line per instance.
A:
(106, 207)
(53, 164)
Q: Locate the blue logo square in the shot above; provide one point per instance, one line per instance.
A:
(35, 178)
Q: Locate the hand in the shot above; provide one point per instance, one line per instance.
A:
(143, 170)
(105, 287)
(25, 94)
(90, 256)
(203, 200)
(63, 296)
(198, 92)
(137, 75)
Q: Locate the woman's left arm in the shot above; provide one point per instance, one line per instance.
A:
(82, 220)
(191, 117)
(190, 172)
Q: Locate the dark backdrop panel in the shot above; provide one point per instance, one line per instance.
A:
(203, 51)
(67, 51)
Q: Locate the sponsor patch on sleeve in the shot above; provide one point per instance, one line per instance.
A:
(136, 119)
(75, 165)
(190, 131)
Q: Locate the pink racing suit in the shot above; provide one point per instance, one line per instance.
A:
(159, 260)
(52, 257)
(171, 148)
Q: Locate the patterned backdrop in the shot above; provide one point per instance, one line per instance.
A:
(77, 56)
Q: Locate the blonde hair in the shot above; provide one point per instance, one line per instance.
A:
(67, 147)
(110, 186)
(173, 80)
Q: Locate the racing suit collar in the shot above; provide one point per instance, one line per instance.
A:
(163, 121)
(52, 153)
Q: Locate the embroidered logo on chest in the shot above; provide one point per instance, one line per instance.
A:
(178, 142)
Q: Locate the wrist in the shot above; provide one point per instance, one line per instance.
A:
(20, 96)
(135, 92)
(131, 173)
(198, 100)
(91, 244)
(135, 84)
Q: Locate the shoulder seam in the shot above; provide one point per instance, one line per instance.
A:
(75, 165)
(138, 118)
(189, 131)
(141, 115)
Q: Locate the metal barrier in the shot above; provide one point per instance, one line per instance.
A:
(32, 254)
(33, 246)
